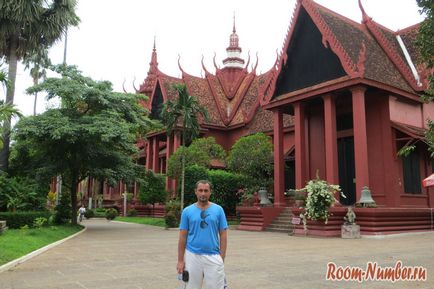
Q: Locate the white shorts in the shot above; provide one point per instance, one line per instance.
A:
(209, 269)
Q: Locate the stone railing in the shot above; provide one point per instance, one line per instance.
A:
(2, 227)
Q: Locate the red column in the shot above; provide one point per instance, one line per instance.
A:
(300, 145)
(149, 154)
(155, 151)
(331, 146)
(360, 140)
(169, 152)
(279, 184)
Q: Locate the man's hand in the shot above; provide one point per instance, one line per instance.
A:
(180, 266)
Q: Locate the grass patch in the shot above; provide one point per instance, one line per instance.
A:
(143, 220)
(233, 222)
(15, 243)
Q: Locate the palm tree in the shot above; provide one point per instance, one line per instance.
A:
(25, 27)
(7, 111)
(37, 62)
(184, 110)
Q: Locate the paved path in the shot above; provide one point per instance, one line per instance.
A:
(129, 256)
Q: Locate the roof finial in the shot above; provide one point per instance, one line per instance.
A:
(155, 36)
(234, 30)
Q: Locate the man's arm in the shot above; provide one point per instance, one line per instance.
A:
(181, 250)
(223, 243)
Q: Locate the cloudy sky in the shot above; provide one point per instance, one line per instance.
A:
(115, 38)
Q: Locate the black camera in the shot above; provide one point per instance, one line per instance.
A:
(185, 276)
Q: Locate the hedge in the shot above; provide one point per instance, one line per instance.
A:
(18, 219)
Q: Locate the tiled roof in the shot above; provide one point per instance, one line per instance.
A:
(231, 96)
(366, 50)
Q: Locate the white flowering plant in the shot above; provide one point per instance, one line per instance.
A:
(320, 197)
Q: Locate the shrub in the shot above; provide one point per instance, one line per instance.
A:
(89, 214)
(19, 219)
(253, 156)
(63, 210)
(152, 188)
(111, 213)
(225, 187)
(40, 222)
(170, 220)
(173, 211)
(132, 213)
(193, 174)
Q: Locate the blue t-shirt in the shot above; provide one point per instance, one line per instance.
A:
(203, 228)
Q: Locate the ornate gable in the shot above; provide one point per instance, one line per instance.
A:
(310, 61)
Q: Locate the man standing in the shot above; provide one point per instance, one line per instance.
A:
(203, 241)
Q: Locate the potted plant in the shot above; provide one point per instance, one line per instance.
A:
(320, 198)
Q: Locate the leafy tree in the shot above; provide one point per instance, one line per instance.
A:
(184, 110)
(152, 188)
(93, 133)
(27, 25)
(200, 152)
(7, 111)
(425, 40)
(252, 156)
(17, 193)
(37, 62)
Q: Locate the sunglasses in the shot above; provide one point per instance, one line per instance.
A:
(203, 215)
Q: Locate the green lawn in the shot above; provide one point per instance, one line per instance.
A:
(143, 220)
(17, 243)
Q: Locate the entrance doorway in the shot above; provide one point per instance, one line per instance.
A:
(347, 172)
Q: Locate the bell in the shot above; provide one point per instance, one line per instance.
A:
(366, 198)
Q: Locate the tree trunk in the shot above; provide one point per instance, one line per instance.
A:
(183, 169)
(12, 75)
(74, 184)
(35, 82)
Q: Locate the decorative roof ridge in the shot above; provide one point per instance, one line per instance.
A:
(396, 59)
(256, 65)
(329, 37)
(266, 90)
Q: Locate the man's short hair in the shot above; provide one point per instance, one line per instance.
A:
(203, 182)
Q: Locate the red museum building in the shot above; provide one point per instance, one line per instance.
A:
(342, 98)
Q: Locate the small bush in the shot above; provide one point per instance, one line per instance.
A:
(111, 213)
(173, 214)
(89, 214)
(132, 213)
(63, 210)
(40, 222)
(170, 220)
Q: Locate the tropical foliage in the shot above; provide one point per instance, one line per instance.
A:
(93, 133)
(252, 156)
(425, 41)
(152, 188)
(183, 114)
(37, 62)
(200, 152)
(320, 197)
(26, 26)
